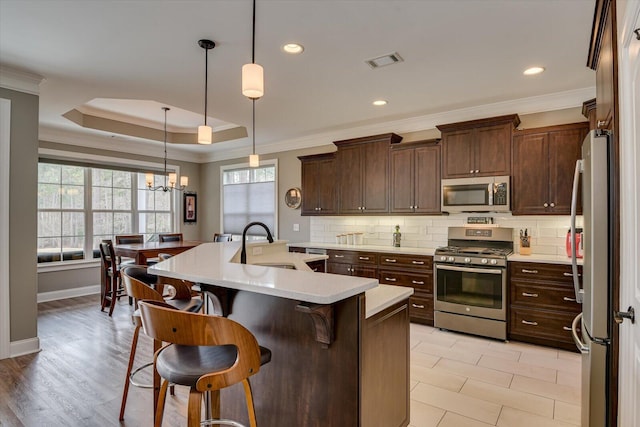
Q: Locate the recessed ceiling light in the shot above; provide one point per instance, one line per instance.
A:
(293, 48)
(533, 71)
(379, 102)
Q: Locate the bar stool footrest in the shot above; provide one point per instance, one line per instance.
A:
(133, 373)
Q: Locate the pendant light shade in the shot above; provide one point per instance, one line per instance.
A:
(204, 131)
(254, 160)
(204, 134)
(252, 81)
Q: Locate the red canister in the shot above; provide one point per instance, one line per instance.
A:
(579, 249)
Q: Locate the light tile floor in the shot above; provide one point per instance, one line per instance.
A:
(460, 380)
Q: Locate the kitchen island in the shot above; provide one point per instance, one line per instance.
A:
(340, 345)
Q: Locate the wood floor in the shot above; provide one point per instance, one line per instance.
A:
(77, 378)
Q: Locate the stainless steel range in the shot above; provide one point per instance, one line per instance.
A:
(470, 276)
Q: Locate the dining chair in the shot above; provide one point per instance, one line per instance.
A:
(221, 237)
(170, 237)
(144, 286)
(113, 289)
(125, 239)
(206, 353)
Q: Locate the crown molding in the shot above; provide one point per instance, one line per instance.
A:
(530, 105)
(21, 81)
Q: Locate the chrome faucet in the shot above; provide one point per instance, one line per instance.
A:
(243, 254)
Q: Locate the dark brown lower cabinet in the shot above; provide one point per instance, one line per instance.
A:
(353, 263)
(414, 271)
(542, 304)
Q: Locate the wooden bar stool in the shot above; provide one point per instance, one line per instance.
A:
(206, 353)
(141, 286)
(113, 289)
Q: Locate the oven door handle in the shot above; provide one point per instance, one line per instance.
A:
(469, 270)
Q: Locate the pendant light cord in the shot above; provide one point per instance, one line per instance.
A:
(165, 146)
(253, 124)
(206, 80)
(253, 35)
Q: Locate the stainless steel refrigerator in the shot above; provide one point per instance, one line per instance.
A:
(592, 327)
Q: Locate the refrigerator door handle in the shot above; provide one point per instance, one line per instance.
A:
(574, 261)
(582, 347)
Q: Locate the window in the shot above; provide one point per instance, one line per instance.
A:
(78, 206)
(248, 194)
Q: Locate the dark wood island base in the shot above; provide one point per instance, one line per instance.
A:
(361, 378)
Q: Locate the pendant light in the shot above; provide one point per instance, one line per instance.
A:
(204, 132)
(169, 179)
(253, 87)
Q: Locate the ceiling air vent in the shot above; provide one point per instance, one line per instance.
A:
(383, 60)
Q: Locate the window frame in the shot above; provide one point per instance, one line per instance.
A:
(271, 162)
(107, 162)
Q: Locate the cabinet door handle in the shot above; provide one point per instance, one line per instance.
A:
(319, 209)
(338, 256)
(566, 328)
(415, 207)
(570, 274)
(477, 170)
(471, 171)
(601, 123)
(524, 270)
(418, 262)
(527, 294)
(417, 282)
(363, 208)
(417, 305)
(390, 260)
(315, 269)
(526, 322)
(546, 205)
(364, 258)
(553, 205)
(568, 299)
(390, 279)
(349, 269)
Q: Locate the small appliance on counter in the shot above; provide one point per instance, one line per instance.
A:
(578, 243)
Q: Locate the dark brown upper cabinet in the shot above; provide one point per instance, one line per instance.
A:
(363, 171)
(319, 196)
(415, 177)
(544, 161)
(478, 147)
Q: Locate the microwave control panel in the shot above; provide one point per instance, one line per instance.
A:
(500, 194)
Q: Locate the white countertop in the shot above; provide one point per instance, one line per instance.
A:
(211, 263)
(371, 248)
(550, 259)
(384, 296)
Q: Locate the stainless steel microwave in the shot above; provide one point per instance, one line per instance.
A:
(479, 194)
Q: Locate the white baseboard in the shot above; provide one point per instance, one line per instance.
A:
(68, 293)
(22, 347)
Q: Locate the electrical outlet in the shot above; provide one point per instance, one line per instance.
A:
(296, 227)
(257, 250)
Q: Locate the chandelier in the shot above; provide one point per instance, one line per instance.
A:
(169, 178)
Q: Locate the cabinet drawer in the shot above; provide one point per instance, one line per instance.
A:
(422, 282)
(421, 308)
(546, 324)
(353, 257)
(549, 297)
(407, 261)
(560, 273)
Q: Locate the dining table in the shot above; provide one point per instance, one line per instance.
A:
(140, 252)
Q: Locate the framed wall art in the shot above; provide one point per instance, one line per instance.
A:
(190, 207)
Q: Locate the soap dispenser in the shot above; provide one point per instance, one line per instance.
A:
(396, 237)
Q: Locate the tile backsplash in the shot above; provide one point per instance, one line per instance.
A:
(547, 233)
